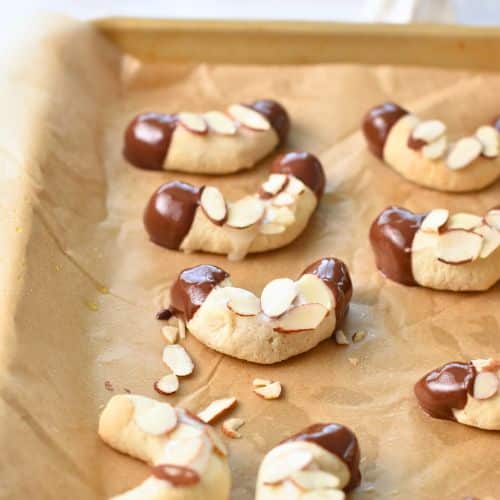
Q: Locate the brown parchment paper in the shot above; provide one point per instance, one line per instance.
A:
(80, 283)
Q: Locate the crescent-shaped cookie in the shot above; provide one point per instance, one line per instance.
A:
(422, 152)
(289, 318)
(458, 252)
(319, 462)
(468, 393)
(184, 217)
(209, 143)
(189, 460)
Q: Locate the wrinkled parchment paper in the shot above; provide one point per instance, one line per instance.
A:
(80, 282)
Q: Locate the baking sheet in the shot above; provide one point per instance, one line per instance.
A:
(80, 283)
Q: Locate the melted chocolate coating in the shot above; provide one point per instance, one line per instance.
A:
(164, 314)
(276, 114)
(335, 275)
(170, 213)
(338, 440)
(391, 236)
(192, 287)
(147, 140)
(177, 475)
(445, 388)
(377, 124)
(305, 167)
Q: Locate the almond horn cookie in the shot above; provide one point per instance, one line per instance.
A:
(458, 252)
(468, 393)
(184, 217)
(215, 142)
(289, 318)
(319, 463)
(189, 460)
(422, 152)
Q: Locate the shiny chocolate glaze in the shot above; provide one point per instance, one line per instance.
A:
(305, 167)
(147, 139)
(377, 124)
(391, 236)
(445, 389)
(335, 275)
(192, 287)
(177, 475)
(338, 440)
(170, 213)
(276, 114)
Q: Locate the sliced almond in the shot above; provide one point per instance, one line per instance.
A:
(168, 384)
(284, 199)
(491, 240)
(301, 318)
(353, 361)
(220, 123)
(216, 409)
(436, 149)
(280, 215)
(492, 218)
(314, 290)
(284, 464)
(217, 442)
(178, 360)
(245, 212)
(314, 480)
(270, 391)
(435, 220)
(249, 117)
(458, 246)
(182, 329)
(463, 152)
(488, 137)
(488, 364)
(193, 122)
(485, 385)
(271, 228)
(170, 333)
(295, 186)
(275, 184)
(157, 420)
(341, 338)
(261, 382)
(278, 296)
(429, 130)
(242, 302)
(184, 451)
(463, 220)
(230, 427)
(213, 204)
(359, 336)
(324, 495)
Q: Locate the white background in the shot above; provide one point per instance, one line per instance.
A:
(484, 12)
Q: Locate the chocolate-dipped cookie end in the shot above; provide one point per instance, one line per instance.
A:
(276, 114)
(305, 167)
(170, 213)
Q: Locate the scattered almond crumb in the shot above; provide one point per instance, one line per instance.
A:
(359, 336)
(341, 338)
(216, 408)
(230, 427)
(182, 329)
(170, 333)
(270, 391)
(91, 305)
(103, 289)
(128, 391)
(353, 361)
(108, 385)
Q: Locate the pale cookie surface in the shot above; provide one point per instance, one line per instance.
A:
(468, 393)
(458, 252)
(190, 461)
(422, 152)
(321, 461)
(182, 216)
(214, 142)
(289, 318)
